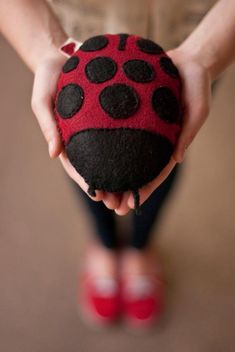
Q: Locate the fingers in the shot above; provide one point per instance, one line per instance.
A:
(78, 178)
(123, 208)
(193, 121)
(42, 106)
(196, 97)
(183, 142)
(112, 200)
(42, 109)
(117, 202)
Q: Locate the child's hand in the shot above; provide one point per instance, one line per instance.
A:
(196, 101)
(78, 178)
(196, 98)
(44, 91)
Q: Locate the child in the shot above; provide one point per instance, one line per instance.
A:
(133, 275)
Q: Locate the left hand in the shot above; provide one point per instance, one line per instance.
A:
(44, 90)
(196, 97)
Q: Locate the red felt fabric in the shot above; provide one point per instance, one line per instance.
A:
(91, 115)
(68, 48)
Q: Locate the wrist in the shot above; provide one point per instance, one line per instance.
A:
(47, 50)
(204, 56)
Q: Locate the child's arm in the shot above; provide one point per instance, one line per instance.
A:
(200, 58)
(34, 31)
(212, 44)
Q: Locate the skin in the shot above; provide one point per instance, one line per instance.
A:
(200, 59)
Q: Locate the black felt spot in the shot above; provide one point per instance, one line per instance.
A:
(122, 42)
(69, 100)
(165, 104)
(139, 71)
(118, 160)
(100, 69)
(148, 46)
(71, 64)
(119, 100)
(94, 43)
(168, 67)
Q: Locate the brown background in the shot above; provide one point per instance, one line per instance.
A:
(43, 228)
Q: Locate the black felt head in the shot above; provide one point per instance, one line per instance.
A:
(118, 160)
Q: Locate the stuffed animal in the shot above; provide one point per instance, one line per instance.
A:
(118, 110)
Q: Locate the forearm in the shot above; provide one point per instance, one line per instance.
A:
(32, 29)
(213, 41)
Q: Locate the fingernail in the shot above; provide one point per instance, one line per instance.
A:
(179, 158)
(130, 203)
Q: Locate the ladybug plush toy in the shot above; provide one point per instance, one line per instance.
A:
(118, 111)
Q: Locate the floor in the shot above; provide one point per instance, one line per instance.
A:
(43, 228)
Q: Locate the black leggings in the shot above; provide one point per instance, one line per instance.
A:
(104, 218)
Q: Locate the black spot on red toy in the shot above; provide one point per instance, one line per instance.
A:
(139, 71)
(71, 64)
(95, 43)
(166, 104)
(148, 46)
(168, 66)
(100, 69)
(69, 100)
(118, 109)
(119, 101)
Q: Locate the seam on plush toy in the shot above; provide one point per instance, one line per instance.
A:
(114, 129)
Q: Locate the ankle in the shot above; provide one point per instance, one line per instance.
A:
(101, 261)
(139, 262)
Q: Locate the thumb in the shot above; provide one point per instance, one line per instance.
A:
(42, 106)
(196, 98)
(193, 120)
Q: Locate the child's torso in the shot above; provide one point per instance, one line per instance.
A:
(167, 22)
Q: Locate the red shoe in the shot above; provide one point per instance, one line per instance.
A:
(142, 299)
(100, 299)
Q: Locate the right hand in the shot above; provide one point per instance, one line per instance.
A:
(44, 90)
